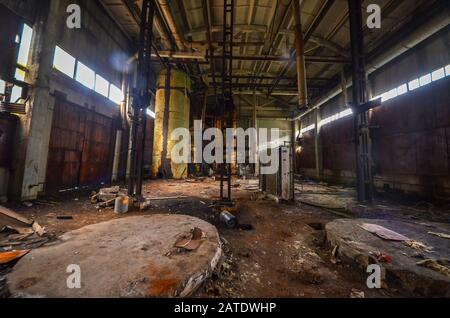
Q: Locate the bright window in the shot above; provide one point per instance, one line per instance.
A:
(413, 85)
(16, 94)
(20, 75)
(2, 86)
(306, 129)
(64, 62)
(425, 80)
(389, 95)
(151, 113)
(115, 94)
(25, 45)
(85, 75)
(346, 113)
(447, 70)
(402, 89)
(101, 85)
(438, 74)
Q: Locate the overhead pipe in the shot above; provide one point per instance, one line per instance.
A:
(314, 25)
(300, 50)
(181, 43)
(438, 22)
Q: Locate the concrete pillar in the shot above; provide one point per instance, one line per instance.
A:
(38, 122)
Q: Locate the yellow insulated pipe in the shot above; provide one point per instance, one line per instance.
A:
(176, 117)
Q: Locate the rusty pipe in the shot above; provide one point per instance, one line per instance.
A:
(300, 49)
(179, 40)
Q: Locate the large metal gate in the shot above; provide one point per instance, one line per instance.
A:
(80, 149)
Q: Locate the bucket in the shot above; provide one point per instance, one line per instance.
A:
(121, 204)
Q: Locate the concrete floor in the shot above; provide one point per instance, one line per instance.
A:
(285, 255)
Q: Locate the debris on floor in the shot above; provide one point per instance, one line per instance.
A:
(440, 266)
(19, 233)
(384, 233)
(64, 217)
(355, 293)
(7, 257)
(228, 219)
(193, 242)
(382, 257)
(418, 246)
(441, 235)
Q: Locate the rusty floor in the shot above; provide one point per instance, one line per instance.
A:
(284, 255)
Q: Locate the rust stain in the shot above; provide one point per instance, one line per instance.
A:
(162, 287)
(27, 282)
(162, 282)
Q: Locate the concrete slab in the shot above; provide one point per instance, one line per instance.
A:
(355, 246)
(127, 257)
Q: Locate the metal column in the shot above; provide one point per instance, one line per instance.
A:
(141, 99)
(299, 48)
(363, 161)
(227, 97)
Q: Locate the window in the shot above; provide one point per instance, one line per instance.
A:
(151, 113)
(64, 62)
(25, 45)
(115, 94)
(438, 74)
(20, 75)
(425, 80)
(101, 85)
(85, 75)
(389, 95)
(16, 94)
(413, 84)
(402, 89)
(2, 86)
(447, 70)
(346, 113)
(306, 129)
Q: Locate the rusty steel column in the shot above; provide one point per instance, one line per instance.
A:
(363, 160)
(141, 100)
(300, 50)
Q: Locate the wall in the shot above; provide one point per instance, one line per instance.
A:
(410, 133)
(99, 44)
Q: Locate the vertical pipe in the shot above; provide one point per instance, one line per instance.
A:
(117, 151)
(300, 49)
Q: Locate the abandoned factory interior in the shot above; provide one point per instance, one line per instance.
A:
(220, 149)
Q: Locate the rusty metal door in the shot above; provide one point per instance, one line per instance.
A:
(80, 148)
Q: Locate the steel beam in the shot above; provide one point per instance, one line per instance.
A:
(363, 160)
